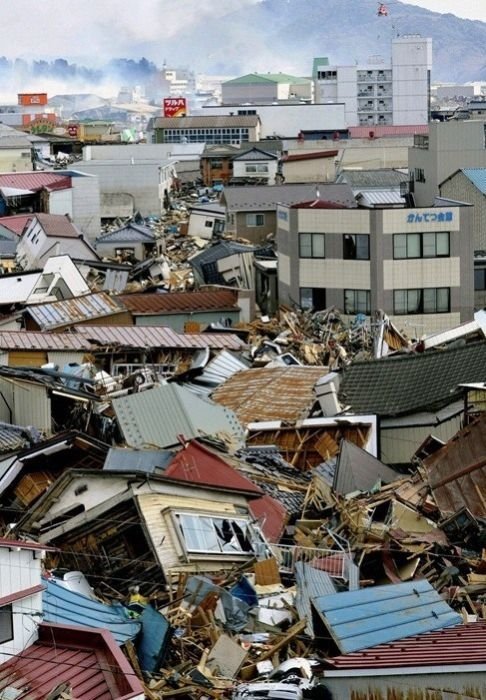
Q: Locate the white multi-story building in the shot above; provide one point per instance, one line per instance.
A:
(378, 92)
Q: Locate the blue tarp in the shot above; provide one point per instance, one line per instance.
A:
(153, 641)
(66, 607)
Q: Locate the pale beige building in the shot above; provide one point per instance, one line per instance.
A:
(414, 264)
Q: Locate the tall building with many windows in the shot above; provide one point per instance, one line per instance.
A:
(379, 92)
(416, 265)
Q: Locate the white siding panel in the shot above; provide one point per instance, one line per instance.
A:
(399, 444)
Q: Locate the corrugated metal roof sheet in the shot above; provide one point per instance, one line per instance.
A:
(270, 393)
(358, 470)
(35, 180)
(175, 302)
(90, 337)
(477, 177)
(77, 310)
(380, 131)
(37, 340)
(371, 616)
(461, 645)
(457, 472)
(157, 418)
(310, 583)
(66, 607)
(202, 122)
(87, 660)
(157, 337)
(376, 198)
(148, 461)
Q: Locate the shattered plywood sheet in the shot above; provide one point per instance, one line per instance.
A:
(457, 472)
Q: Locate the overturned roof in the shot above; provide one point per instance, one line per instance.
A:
(358, 470)
(159, 417)
(270, 393)
(457, 472)
(64, 606)
(371, 616)
(409, 383)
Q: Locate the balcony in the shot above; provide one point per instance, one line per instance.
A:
(338, 563)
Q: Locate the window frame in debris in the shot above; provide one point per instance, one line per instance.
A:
(356, 246)
(256, 218)
(308, 247)
(356, 305)
(216, 535)
(6, 623)
(312, 298)
(421, 301)
(417, 245)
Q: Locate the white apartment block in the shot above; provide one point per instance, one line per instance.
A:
(380, 93)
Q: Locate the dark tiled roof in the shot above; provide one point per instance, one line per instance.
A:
(409, 383)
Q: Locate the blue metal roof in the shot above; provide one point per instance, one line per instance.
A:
(477, 177)
(371, 616)
(67, 607)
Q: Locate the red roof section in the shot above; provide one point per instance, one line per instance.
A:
(16, 223)
(174, 302)
(271, 515)
(198, 465)
(309, 156)
(379, 131)
(464, 644)
(57, 225)
(35, 181)
(89, 660)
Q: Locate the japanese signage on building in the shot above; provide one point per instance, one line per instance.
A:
(32, 98)
(175, 107)
(429, 217)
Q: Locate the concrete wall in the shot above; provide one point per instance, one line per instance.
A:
(15, 159)
(460, 188)
(137, 178)
(451, 146)
(285, 121)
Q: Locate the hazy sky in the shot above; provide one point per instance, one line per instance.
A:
(470, 9)
(103, 28)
